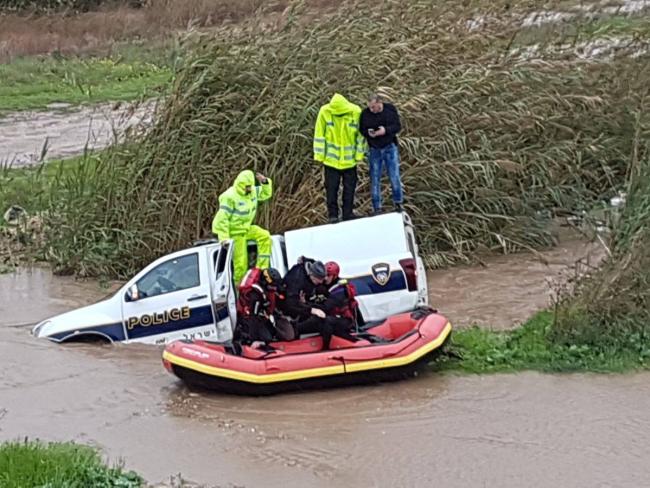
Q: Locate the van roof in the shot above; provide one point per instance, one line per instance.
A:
(362, 239)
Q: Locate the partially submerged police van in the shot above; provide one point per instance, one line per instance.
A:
(190, 294)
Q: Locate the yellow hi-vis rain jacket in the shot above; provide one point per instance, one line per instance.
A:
(234, 220)
(337, 140)
(237, 208)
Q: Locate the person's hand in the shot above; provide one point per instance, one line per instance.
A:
(318, 313)
(380, 132)
(261, 178)
(371, 132)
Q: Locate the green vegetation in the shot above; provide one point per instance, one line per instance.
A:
(131, 72)
(601, 324)
(492, 145)
(612, 305)
(59, 465)
(532, 347)
(35, 187)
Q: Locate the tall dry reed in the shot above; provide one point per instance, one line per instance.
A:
(492, 144)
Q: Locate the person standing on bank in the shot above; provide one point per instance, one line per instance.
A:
(380, 125)
(339, 145)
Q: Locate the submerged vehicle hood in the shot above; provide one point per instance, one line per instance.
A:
(95, 318)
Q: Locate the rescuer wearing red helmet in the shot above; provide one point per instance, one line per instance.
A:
(335, 297)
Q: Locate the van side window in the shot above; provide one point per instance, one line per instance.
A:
(221, 256)
(411, 241)
(172, 275)
(283, 246)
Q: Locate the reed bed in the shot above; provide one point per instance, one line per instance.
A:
(612, 305)
(493, 145)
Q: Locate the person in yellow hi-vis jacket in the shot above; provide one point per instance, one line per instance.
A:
(234, 220)
(339, 145)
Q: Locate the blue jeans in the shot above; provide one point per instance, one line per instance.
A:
(389, 157)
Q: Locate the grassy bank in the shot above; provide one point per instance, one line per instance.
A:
(533, 347)
(32, 464)
(492, 144)
(36, 188)
(601, 322)
(127, 73)
(42, 191)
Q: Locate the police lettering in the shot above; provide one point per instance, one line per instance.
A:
(165, 317)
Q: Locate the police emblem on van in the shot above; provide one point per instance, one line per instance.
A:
(381, 273)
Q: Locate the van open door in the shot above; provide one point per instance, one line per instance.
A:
(224, 298)
(169, 300)
(421, 272)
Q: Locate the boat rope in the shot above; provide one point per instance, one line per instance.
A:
(342, 359)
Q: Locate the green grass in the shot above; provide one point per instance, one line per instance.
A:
(34, 187)
(530, 348)
(132, 72)
(59, 465)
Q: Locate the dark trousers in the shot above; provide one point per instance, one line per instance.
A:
(315, 325)
(342, 327)
(251, 329)
(326, 328)
(333, 179)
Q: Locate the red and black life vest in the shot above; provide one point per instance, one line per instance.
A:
(350, 292)
(249, 283)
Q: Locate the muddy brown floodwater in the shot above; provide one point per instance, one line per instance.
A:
(507, 290)
(527, 429)
(66, 131)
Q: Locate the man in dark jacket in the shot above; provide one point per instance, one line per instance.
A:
(331, 297)
(380, 125)
(300, 285)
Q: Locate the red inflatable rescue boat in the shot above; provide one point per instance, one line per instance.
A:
(391, 350)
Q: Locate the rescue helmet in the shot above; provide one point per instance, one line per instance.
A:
(332, 269)
(271, 278)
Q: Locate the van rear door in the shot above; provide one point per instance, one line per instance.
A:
(420, 270)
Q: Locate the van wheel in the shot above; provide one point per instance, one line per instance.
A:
(88, 338)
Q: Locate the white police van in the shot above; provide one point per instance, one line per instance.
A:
(190, 294)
